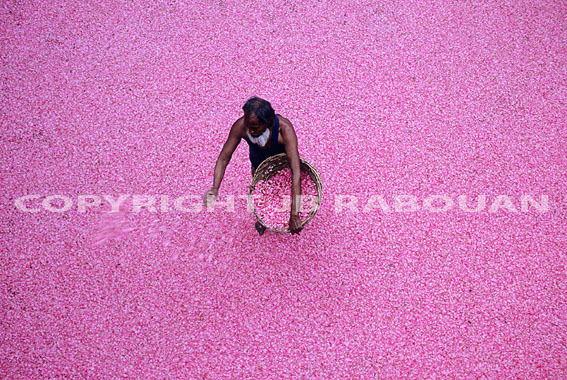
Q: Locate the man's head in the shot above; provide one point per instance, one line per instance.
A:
(258, 116)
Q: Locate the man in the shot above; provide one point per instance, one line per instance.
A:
(267, 134)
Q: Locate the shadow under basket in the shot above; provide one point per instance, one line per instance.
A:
(268, 168)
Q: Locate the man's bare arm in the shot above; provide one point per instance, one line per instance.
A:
(223, 159)
(290, 139)
(225, 155)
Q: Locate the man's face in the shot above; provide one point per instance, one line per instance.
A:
(253, 125)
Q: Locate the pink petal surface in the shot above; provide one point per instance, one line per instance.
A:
(403, 97)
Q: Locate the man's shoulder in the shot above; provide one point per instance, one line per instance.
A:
(285, 125)
(239, 122)
(238, 127)
(284, 121)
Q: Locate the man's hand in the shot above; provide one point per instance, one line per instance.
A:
(210, 196)
(294, 224)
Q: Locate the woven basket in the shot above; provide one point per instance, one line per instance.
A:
(271, 166)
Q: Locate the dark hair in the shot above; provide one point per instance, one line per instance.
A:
(262, 109)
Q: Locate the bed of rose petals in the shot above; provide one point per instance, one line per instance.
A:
(394, 97)
(272, 198)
